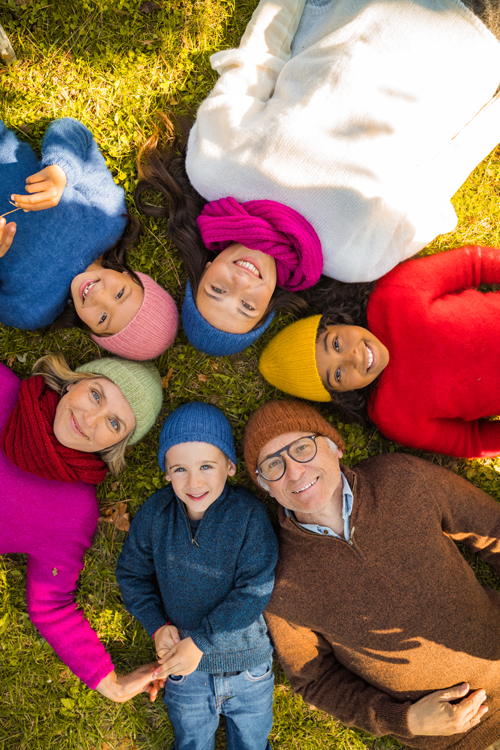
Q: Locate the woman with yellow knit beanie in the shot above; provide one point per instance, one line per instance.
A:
(423, 363)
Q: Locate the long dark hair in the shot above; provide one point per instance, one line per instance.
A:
(345, 304)
(115, 258)
(162, 169)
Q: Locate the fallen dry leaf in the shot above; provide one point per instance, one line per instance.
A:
(114, 486)
(202, 378)
(117, 515)
(166, 378)
(215, 365)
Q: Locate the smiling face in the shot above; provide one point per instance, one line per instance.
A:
(93, 415)
(106, 300)
(198, 472)
(349, 357)
(236, 288)
(310, 489)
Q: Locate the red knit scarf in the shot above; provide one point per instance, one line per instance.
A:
(28, 439)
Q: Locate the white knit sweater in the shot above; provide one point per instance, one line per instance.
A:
(358, 131)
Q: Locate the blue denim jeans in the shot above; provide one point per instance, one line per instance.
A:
(195, 702)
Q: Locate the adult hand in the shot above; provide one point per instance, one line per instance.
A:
(165, 639)
(182, 659)
(435, 715)
(45, 188)
(7, 232)
(121, 688)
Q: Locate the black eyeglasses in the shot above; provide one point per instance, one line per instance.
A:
(301, 450)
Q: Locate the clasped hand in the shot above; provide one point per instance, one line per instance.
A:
(434, 715)
(175, 656)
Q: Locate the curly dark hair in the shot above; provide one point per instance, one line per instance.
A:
(346, 304)
(162, 170)
(115, 258)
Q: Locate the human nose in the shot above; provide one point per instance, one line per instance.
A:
(241, 278)
(194, 480)
(352, 357)
(294, 469)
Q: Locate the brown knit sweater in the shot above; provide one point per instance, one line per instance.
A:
(365, 630)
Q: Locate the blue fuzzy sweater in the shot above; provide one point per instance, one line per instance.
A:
(52, 246)
(214, 587)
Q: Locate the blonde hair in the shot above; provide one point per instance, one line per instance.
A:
(58, 376)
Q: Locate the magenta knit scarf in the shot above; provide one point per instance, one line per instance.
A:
(273, 229)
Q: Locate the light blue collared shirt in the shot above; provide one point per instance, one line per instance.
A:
(346, 514)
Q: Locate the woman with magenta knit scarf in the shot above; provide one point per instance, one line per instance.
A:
(61, 432)
(359, 118)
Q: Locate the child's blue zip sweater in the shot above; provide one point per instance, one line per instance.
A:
(53, 246)
(213, 587)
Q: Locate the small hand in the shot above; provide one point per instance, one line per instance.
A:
(165, 638)
(181, 659)
(46, 188)
(153, 689)
(7, 232)
(434, 714)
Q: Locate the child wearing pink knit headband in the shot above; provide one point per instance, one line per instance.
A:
(63, 257)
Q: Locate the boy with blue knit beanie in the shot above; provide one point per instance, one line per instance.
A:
(201, 555)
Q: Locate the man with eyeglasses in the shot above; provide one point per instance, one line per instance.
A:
(376, 616)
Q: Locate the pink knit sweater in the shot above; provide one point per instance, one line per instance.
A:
(53, 523)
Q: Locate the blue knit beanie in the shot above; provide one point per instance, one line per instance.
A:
(197, 422)
(210, 340)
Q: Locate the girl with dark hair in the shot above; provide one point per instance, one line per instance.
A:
(67, 265)
(330, 110)
(61, 431)
(416, 353)
(243, 261)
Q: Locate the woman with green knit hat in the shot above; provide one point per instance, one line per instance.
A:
(61, 431)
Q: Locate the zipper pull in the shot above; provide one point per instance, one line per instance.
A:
(351, 540)
(193, 541)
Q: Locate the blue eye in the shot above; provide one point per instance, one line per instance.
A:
(120, 294)
(248, 307)
(103, 318)
(216, 289)
(336, 344)
(337, 374)
(114, 424)
(179, 469)
(95, 395)
(206, 466)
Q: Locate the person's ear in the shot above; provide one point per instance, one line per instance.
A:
(70, 386)
(207, 264)
(231, 471)
(339, 453)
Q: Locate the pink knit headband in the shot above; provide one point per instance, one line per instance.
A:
(273, 229)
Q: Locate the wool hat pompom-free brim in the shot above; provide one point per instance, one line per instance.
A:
(140, 383)
(151, 331)
(197, 422)
(279, 417)
(289, 361)
(208, 339)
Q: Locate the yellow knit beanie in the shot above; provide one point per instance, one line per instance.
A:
(289, 361)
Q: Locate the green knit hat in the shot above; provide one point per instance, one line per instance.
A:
(140, 383)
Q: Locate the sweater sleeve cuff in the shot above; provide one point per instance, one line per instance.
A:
(242, 57)
(100, 674)
(153, 622)
(69, 167)
(392, 718)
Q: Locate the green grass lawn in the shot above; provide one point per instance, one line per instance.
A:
(113, 65)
